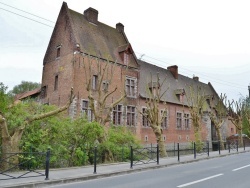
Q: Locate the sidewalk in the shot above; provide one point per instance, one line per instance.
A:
(60, 176)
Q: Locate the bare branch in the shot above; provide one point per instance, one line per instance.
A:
(51, 113)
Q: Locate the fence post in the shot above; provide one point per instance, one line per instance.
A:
(208, 148)
(193, 147)
(194, 150)
(157, 149)
(178, 149)
(151, 153)
(244, 145)
(219, 147)
(228, 143)
(47, 164)
(237, 145)
(95, 152)
(131, 157)
(174, 148)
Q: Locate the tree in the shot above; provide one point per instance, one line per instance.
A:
(218, 116)
(246, 115)
(153, 115)
(24, 87)
(100, 97)
(14, 118)
(196, 99)
(236, 114)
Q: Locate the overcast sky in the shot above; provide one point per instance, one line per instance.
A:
(208, 39)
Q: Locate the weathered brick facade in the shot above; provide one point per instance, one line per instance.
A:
(79, 40)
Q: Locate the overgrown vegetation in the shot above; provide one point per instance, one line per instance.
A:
(72, 142)
(31, 127)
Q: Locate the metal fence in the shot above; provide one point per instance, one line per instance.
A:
(24, 165)
(146, 155)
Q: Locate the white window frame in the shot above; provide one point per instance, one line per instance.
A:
(130, 115)
(117, 114)
(145, 122)
(94, 82)
(164, 123)
(85, 110)
(105, 85)
(187, 121)
(126, 58)
(131, 88)
(178, 120)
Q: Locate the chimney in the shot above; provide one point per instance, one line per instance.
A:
(120, 27)
(195, 78)
(91, 15)
(174, 70)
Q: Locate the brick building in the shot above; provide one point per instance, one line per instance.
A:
(80, 44)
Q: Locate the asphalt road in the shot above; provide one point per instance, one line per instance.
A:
(225, 172)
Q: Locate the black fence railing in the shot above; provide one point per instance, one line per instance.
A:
(33, 164)
(146, 155)
(24, 165)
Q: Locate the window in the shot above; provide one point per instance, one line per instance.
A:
(164, 138)
(145, 122)
(86, 111)
(180, 97)
(164, 115)
(130, 87)
(105, 85)
(56, 83)
(186, 121)
(126, 58)
(44, 92)
(178, 120)
(130, 115)
(94, 82)
(117, 115)
(58, 51)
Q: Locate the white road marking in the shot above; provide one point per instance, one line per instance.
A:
(240, 168)
(197, 181)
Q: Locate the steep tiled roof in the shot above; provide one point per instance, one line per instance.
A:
(172, 85)
(97, 39)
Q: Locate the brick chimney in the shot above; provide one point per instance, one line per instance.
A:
(120, 27)
(91, 15)
(174, 70)
(195, 78)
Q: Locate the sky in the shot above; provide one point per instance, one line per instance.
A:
(208, 39)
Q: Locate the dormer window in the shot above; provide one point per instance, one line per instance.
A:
(180, 97)
(125, 51)
(180, 93)
(126, 58)
(154, 88)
